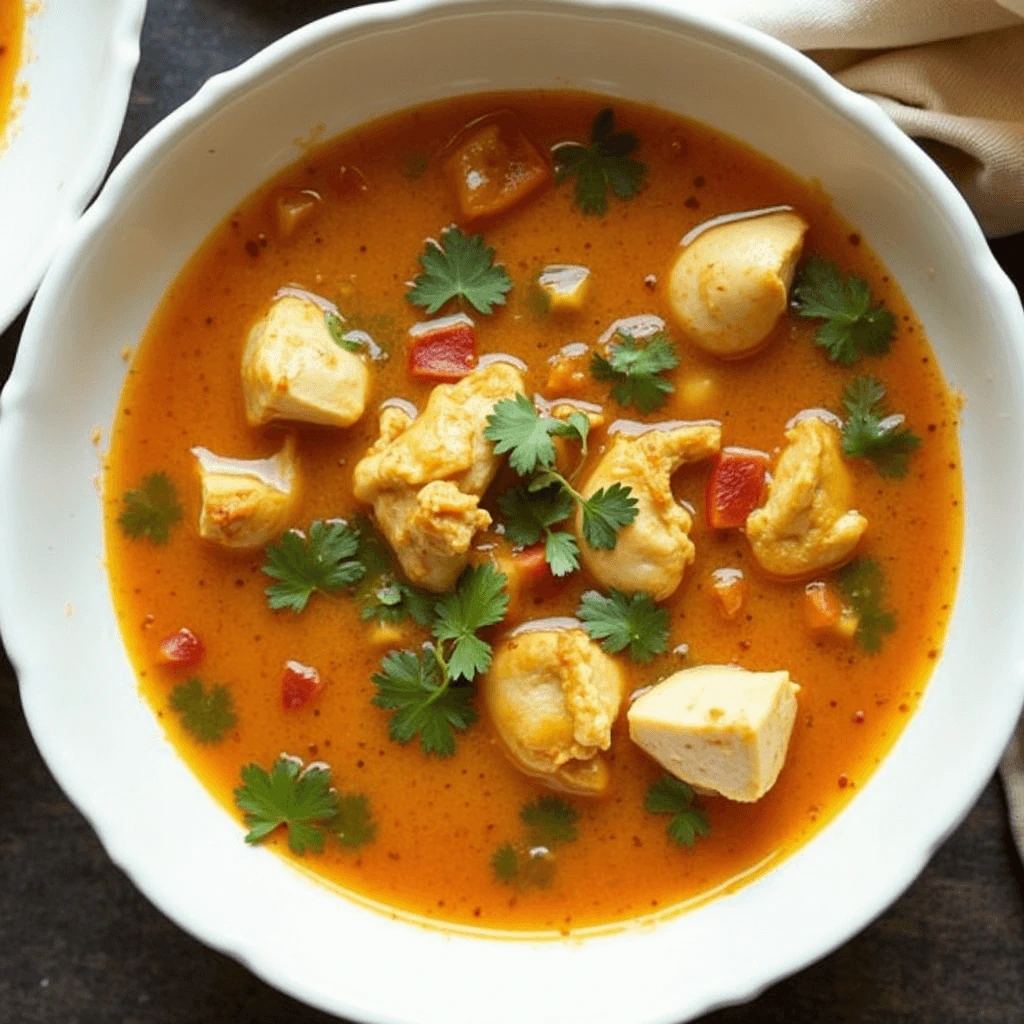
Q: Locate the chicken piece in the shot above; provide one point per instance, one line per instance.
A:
(425, 476)
(718, 727)
(293, 370)
(728, 287)
(553, 696)
(246, 502)
(807, 523)
(651, 553)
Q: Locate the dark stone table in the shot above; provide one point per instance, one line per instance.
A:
(79, 945)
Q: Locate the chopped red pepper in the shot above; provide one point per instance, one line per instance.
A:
(182, 649)
(443, 349)
(735, 487)
(299, 685)
(532, 566)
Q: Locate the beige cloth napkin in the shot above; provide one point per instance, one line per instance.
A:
(950, 73)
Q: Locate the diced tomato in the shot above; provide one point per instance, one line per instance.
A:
(443, 349)
(735, 487)
(299, 685)
(729, 591)
(493, 166)
(182, 649)
(532, 567)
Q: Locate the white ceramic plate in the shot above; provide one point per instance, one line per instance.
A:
(78, 63)
(103, 744)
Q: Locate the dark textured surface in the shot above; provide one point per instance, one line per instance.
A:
(78, 944)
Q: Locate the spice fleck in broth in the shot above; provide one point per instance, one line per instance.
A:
(450, 806)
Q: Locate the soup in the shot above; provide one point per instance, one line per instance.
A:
(506, 561)
(12, 18)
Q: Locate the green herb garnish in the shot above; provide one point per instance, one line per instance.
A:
(604, 164)
(461, 267)
(352, 825)
(622, 621)
(550, 822)
(152, 509)
(530, 516)
(853, 326)
(206, 714)
(340, 335)
(635, 370)
(863, 583)
(871, 434)
(670, 795)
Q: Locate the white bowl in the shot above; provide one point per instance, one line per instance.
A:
(78, 62)
(103, 744)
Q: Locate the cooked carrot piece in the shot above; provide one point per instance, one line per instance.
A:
(735, 487)
(443, 349)
(825, 612)
(729, 591)
(182, 649)
(569, 373)
(299, 685)
(493, 167)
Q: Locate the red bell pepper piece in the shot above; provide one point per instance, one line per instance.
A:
(443, 349)
(532, 566)
(299, 685)
(182, 649)
(735, 487)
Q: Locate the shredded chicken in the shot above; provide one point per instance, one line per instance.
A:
(553, 696)
(425, 476)
(652, 553)
(807, 523)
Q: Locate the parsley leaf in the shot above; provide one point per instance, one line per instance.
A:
(670, 795)
(480, 600)
(353, 824)
(286, 795)
(863, 583)
(459, 267)
(550, 821)
(324, 564)
(516, 427)
(208, 715)
(151, 510)
(870, 434)
(853, 327)
(424, 701)
(605, 512)
(605, 163)
(622, 621)
(634, 370)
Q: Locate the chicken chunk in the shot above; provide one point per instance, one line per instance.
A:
(293, 370)
(553, 695)
(246, 502)
(807, 523)
(425, 476)
(729, 286)
(718, 727)
(652, 553)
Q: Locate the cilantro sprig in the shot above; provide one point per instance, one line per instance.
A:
(635, 370)
(303, 801)
(518, 429)
(429, 690)
(604, 164)
(871, 434)
(207, 714)
(863, 583)
(689, 822)
(854, 325)
(151, 509)
(549, 823)
(623, 621)
(459, 267)
(324, 562)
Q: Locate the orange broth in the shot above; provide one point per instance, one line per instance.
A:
(12, 24)
(440, 821)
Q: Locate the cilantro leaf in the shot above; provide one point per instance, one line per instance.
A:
(152, 509)
(459, 267)
(550, 821)
(604, 164)
(207, 714)
(561, 552)
(853, 327)
(324, 564)
(863, 583)
(870, 434)
(352, 825)
(605, 512)
(424, 701)
(634, 370)
(528, 515)
(505, 862)
(622, 621)
(670, 795)
(576, 426)
(480, 600)
(301, 800)
(516, 427)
